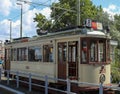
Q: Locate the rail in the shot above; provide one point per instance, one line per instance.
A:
(46, 82)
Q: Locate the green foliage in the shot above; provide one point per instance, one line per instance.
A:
(116, 67)
(69, 18)
(117, 22)
(115, 29)
(63, 17)
(64, 13)
(43, 23)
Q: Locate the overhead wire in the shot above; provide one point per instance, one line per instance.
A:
(27, 10)
(35, 5)
(47, 5)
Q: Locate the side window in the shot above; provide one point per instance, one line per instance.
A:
(84, 51)
(7, 54)
(22, 54)
(35, 53)
(13, 54)
(48, 53)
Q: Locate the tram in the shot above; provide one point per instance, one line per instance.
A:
(78, 53)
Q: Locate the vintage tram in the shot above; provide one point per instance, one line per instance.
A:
(78, 53)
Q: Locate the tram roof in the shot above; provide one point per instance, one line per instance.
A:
(74, 31)
(65, 32)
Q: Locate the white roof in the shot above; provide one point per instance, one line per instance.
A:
(96, 33)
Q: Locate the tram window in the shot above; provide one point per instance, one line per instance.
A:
(62, 52)
(13, 54)
(72, 51)
(84, 51)
(35, 53)
(22, 54)
(93, 51)
(101, 51)
(8, 54)
(48, 53)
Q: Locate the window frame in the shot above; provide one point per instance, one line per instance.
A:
(22, 54)
(48, 53)
(97, 56)
(34, 48)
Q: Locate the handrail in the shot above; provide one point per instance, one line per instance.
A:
(46, 84)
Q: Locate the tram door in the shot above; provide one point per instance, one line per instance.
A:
(72, 60)
(62, 60)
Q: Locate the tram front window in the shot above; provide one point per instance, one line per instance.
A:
(101, 51)
(94, 50)
(97, 51)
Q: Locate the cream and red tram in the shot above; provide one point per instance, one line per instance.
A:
(80, 54)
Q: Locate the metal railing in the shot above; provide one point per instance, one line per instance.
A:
(46, 82)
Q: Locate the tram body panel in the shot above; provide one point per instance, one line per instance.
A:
(91, 73)
(41, 69)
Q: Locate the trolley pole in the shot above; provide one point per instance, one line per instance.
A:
(20, 19)
(78, 13)
(10, 29)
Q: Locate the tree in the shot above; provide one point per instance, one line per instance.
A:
(65, 18)
(116, 67)
(115, 29)
(43, 23)
(115, 33)
(64, 14)
(117, 22)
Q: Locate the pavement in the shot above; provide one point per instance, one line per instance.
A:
(7, 90)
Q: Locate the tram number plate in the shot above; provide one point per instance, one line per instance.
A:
(102, 78)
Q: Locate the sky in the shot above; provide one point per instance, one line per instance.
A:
(10, 12)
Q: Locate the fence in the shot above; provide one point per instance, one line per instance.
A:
(46, 84)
